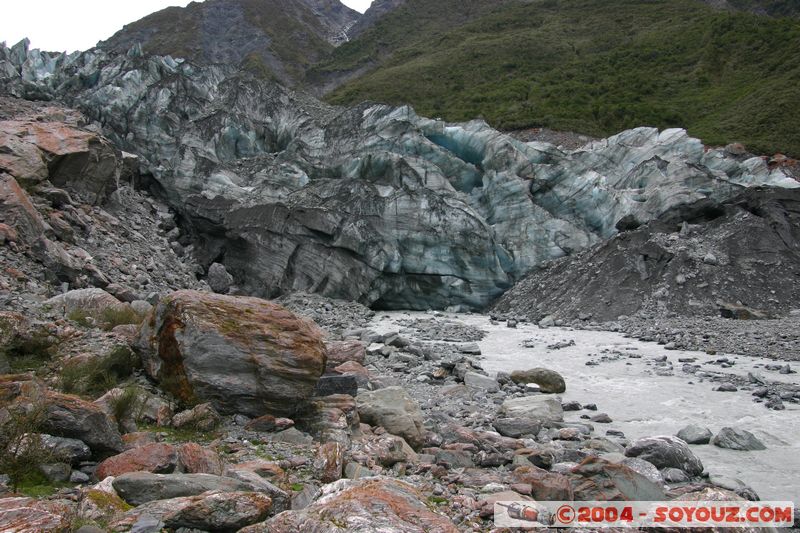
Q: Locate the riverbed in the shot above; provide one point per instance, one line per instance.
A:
(633, 388)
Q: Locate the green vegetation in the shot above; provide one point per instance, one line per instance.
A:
(22, 450)
(108, 319)
(100, 374)
(591, 66)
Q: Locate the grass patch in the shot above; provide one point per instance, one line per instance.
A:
(22, 450)
(297, 487)
(590, 66)
(108, 318)
(100, 374)
(31, 353)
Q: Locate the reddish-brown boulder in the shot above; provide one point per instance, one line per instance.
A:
(158, 458)
(243, 355)
(344, 351)
(28, 515)
(194, 459)
(18, 211)
(329, 462)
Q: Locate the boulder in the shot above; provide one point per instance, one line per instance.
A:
(544, 485)
(81, 161)
(666, 452)
(201, 417)
(243, 355)
(18, 213)
(91, 302)
(137, 488)
(212, 511)
(336, 384)
(219, 279)
(479, 381)
(72, 451)
(542, 408)
(340, 352)
(598, 480)
(374, 504)
(737, 439)
(158, 458)
(29, 515)
(693, 434)
(329, 462)
(517, 427)
(394, 410)
(71, 417)
(549, 381)
(332, 418)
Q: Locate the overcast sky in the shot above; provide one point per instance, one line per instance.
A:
(69, 25)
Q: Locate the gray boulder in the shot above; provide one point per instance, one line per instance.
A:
(71, 451)
(666, 452)
(394, 410)
(549, 381)
(542, 408)
(137, 488)
(737, 439)
(479, 381)
(517, 427)
(219, 279)
(695, 435)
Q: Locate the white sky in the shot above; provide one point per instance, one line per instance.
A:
(69, 25)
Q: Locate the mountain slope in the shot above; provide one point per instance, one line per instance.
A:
(270, 37)
(582, 65)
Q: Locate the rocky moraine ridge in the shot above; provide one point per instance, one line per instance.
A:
(149, 205)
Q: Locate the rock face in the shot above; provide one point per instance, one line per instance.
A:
(69, 416)
(392, 409)
(373, 204)
(137, 488)
(666, 452)
(243, 355)
(379, 504)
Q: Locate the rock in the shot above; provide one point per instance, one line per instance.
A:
(72, 451)
(18, 213)
(542, 408)
(727, 387)
(329, 384)
(137, 488)
(202, 417)
(243, 355)
(645, 468)
(737, 439)
(695, 435)
(357, 371)
(479, 381)
(454, 459)
(598, 480)
(601, 418)
(194, 459)
(292, 436)
(219, 279)
(56, 472)
(393, 409)
(212, 511)
(340, 352)
(666, 452)
(379, 504)
(281, 500)
(545, 486)
(740, 312)
(29, 515)
(329, 462)
(78, 477)
(268, 424)
(674, 475)
(332, 418)
(736, 485)
(158, 458)
(80, 161)
(517, 427)
(69, 416)
(549, 381)
(92, 302)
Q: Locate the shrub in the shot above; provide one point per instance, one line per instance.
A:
(128, 404)
(21, 448)
(109, 318)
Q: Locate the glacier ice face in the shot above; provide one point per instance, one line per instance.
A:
(372, 203)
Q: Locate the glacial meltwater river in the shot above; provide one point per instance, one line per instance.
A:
(642, 403)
